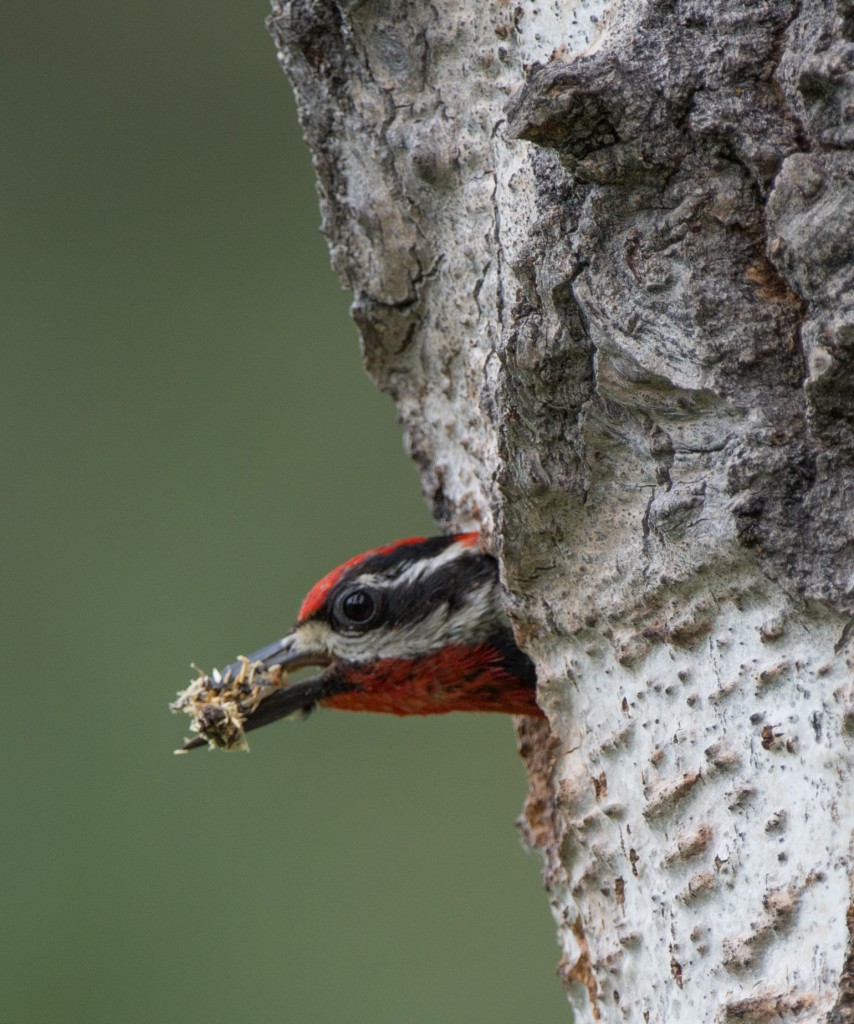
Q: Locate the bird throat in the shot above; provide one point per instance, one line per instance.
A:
(453, 678)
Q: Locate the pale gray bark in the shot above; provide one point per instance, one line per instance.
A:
(601, 256)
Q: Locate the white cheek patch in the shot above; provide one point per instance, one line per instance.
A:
(314, 638)
(472, 624)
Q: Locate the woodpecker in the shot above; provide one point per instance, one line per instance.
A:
(413, 628)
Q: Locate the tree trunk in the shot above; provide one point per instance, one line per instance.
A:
(601, 256)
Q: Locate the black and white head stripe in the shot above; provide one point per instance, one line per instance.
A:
(409, 600)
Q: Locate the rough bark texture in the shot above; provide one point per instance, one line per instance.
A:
(601, 256)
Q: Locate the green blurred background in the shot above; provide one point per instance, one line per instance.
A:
(188, 443)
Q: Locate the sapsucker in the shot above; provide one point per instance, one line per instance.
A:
(414, 628)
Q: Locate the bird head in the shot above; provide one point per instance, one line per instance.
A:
(413, 628)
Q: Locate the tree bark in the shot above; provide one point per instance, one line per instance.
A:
(601, 256)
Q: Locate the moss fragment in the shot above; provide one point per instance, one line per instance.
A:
(218, 705)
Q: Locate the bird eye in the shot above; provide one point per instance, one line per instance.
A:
(358, 607)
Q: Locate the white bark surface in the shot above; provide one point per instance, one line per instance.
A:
(601, 256)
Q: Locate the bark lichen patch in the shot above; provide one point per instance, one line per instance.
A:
(688, 845)
(664, 796)
(777, 821)
(722, 757)
(700, 885)
(772, 675)
(620, 892)
(770, 1008)
(778, 739)
(676, 970)
(779, 907)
